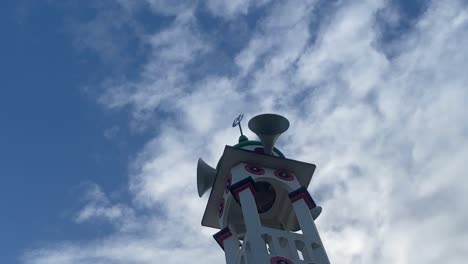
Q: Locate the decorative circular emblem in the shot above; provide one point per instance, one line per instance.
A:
(255, 169)
(228, 184)
(284, 174)
(259, 150)
(280, 260)
(221, 208)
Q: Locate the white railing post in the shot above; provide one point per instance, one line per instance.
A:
(302, 203)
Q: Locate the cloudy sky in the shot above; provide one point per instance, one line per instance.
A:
(105, 107)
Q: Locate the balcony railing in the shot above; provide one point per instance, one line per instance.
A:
(280, 243)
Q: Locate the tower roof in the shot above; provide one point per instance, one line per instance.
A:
(235, 155)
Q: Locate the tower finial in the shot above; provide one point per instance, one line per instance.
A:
(237, 122)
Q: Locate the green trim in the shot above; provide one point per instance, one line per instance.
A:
(250, 143)
(256, 143)
(243, 138)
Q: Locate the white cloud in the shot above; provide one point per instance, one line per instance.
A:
(111, 133)
(389, 134)
(99, 207)
(232, 8)
(102, 34)
(171, 7)
(164, 77)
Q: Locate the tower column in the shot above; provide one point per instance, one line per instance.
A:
(229, 243)
(244, 193)
(231, 250)
(302, 203)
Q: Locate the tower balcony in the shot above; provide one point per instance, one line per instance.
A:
(283, 247)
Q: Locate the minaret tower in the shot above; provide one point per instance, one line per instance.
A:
(259, 200)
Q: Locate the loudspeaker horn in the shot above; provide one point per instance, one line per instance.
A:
(315, 212)
(205, 177)
(268, 128)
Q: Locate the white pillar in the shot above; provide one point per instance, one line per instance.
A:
(253, 226)
(229, 242)
(310, 230)
(231, 250)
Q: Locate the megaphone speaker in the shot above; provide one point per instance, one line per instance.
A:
(205, 177)
(268, 128)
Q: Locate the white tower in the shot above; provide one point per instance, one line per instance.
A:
(259, 200)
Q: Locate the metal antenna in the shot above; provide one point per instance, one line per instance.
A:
(237, 122)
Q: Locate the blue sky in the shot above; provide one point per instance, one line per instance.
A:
(106, 106)
(52, 136)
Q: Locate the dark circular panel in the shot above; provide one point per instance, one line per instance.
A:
(265, 196)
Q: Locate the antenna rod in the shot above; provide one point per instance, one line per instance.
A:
(240, 128)
(237, 122)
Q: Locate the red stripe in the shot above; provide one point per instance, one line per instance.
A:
(242, 188)
(223, 237)
(306, 199)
